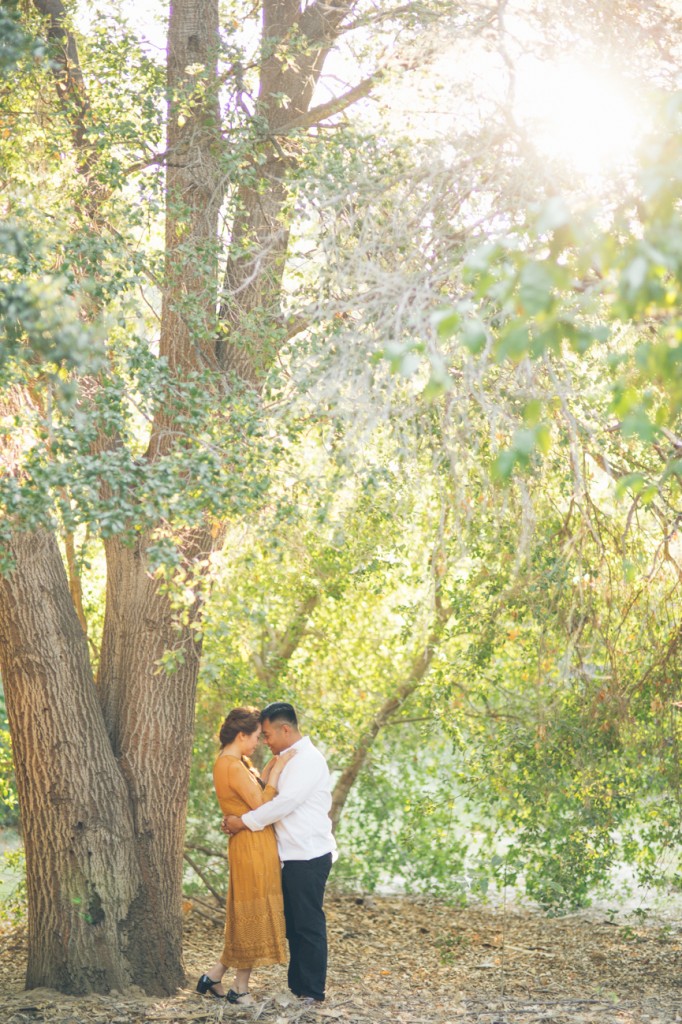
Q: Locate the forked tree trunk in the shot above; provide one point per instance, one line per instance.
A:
(251, 303)
(103, 773)
(149, 715)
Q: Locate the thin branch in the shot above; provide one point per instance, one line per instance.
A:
(294, 325)
(421, 664)
(74, 579)
(142, 165)
(323, 111)
(197, 871)
(72, 93)
(205, 913)
(204, 902)
(206, 850)
(276, 654)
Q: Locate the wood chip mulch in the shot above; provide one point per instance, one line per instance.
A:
(411, 960)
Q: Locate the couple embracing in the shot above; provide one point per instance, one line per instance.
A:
(280, 853)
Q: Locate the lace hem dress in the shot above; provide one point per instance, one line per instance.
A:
(254, 914)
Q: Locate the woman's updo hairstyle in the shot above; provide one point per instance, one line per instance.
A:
(246, 719)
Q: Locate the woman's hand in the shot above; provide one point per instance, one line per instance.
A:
(275, 766)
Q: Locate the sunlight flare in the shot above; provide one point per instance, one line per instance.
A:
(579, 116)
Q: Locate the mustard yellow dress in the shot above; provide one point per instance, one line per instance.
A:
(254, 915)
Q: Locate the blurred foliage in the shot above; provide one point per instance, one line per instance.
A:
(9, 808)
(483, 411)
(13, 905)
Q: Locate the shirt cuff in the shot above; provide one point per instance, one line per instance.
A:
(248, 820)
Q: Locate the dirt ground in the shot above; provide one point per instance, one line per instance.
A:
(403, 960)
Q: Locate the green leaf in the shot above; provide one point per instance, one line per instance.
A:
(532, 411)
(583, 337)
(479, 261)
(536, 286)
(638, 424)
(446, 321)
(543, 437)
(523, 441)
(624, 400)
(474, 335)
(552, 215)
(409, 364)
(514, 344)
(439, 380)
(632, 482)
(503, 466)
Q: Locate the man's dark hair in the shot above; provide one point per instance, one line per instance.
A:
(279, 711)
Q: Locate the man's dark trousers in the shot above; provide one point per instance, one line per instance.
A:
(303, 883)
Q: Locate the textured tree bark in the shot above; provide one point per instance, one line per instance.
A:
(103, 785)
(103, 771)
(260, 233)
(149, 716)
(194, 189)
(83, 880)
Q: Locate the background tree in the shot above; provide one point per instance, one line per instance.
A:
(154, 451)
(342, 302)
(533, 365)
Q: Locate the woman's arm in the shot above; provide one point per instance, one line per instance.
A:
(275, 767)
(245, 785)
(232, 823)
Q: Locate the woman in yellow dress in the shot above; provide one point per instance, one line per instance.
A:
(254, 920)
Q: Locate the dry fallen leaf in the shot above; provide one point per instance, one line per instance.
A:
(386, 969)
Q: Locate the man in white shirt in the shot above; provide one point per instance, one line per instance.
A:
(300, 814)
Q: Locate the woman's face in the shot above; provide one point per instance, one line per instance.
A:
(250, 742)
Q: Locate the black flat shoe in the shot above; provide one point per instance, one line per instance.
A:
(237, 997)
(205, 985)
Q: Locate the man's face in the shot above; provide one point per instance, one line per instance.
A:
(277, 736)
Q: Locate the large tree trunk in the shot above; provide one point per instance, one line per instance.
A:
(149, 715)
(103, 774)
(149, 712)
(83, 880)
(250, 307)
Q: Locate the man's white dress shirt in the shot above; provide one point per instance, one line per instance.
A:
(300, 811)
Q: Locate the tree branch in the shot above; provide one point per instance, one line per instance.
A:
(206, 850)
(197, 871)
(278, 653)
(335, 106)
(420, 666)
(74, 579)
(321, 22)
(70, 83)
